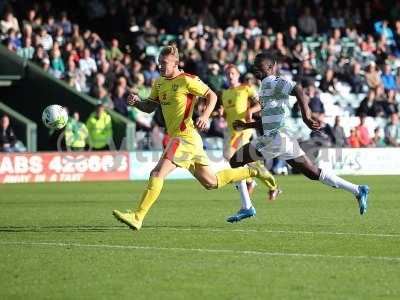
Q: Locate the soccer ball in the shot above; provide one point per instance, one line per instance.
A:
(55, 116)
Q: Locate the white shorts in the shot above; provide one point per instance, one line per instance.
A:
(281, 145)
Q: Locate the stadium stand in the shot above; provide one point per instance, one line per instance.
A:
(108, 49)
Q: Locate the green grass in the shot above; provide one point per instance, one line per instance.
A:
(60, 241)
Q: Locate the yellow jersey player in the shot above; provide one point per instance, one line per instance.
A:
(176, 91)
(240, 102)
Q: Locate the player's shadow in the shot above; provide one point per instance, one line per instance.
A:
(60, 228)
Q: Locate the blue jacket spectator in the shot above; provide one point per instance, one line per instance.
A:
(382, 28)
(388, 79)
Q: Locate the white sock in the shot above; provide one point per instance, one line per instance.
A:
(244, 194)
(328, 178)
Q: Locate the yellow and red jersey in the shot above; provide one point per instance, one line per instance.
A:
(236, 102)
(177, 98)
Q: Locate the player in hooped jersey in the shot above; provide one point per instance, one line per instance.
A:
(240, 101)
(176, 91)
(276, 141)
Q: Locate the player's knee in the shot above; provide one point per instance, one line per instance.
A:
(210, 184)
(155, 172)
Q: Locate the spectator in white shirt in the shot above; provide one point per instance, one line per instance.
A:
(253, 26)
(87, 64)
(9, 22)
(45, 39)
(235, 28)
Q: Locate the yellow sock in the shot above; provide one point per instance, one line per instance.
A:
(232, 175)
(269, 181)
(149, 196)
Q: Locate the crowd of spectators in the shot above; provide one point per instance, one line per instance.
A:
(109, 48)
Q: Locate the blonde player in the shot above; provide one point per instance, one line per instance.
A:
(240, 102)
(175, 91)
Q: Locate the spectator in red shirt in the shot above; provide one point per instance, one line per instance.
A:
(364, 138)
(354, 138)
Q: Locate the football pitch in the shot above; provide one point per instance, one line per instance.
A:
(60, 241)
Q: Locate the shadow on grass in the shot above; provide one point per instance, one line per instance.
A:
(85, 228)
(60, 228)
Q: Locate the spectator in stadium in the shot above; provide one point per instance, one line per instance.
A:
(214, 79)
(328, 82)
(56, 62)
(100, 129)
(369, 106)
(40, 55)
(372, 76)
(354, 138)
(382, 29)
(139, 87)
(338, 133)
(315, 103)
(307, 23)
(65, 23)
(119, 99)
(99, 82)
(235, 28)
(306, 71)
(7, 136)
(363, 134)
(355, 79)
(45, 39)
(392, 131)
(76, 133)
(150, 73)
(378, 140)
(87, 64)
(14, 39)
(8, 22)
(114, 52)
(104, 98)
(292, 37)
(27, 51)
(388, 79)
(76, 76)
(389, 104)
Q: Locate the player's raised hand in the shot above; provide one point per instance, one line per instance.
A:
(202, 123)
(132, 99)
(239, 125)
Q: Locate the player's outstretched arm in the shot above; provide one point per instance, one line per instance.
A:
(302, 99)
(211, 100)
(147, 106)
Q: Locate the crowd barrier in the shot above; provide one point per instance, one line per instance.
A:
(122, 165)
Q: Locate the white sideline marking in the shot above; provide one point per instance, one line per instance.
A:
(272, 231)
(228, 251)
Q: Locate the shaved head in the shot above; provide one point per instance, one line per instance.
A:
(264, 65)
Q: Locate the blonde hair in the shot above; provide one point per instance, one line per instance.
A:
(170, 50)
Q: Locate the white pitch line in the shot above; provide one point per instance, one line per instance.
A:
(217, 251)
(274, 231)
